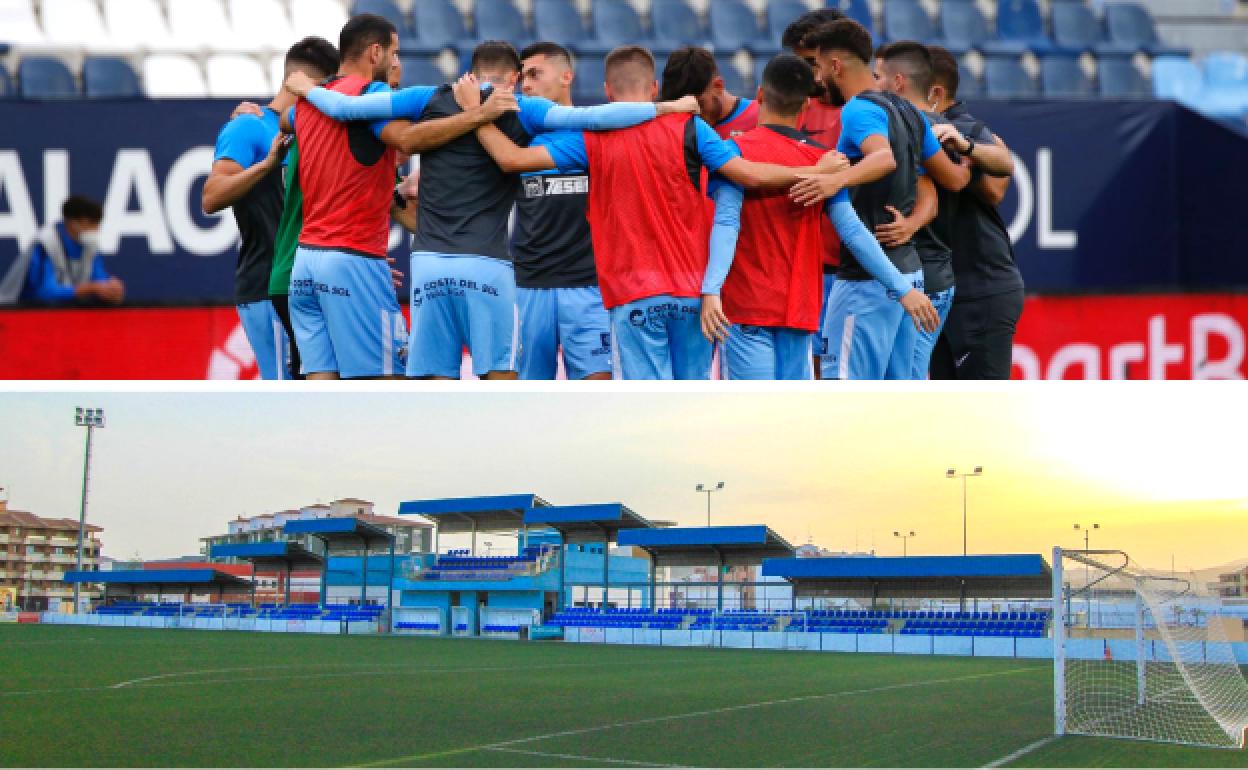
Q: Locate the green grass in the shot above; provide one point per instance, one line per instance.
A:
(85, 696)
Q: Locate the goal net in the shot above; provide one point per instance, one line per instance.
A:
(1143, 654)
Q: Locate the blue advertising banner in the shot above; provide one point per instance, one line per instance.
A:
(1109, 196)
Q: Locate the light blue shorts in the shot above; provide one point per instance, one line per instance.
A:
(345, 315)
(870, 336)
(660, 338)
(819, 341)
(926, 341)
(462, 302)
(268, 339)
(767, 353)
(573, 320)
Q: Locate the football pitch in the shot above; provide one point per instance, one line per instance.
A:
(90, 696)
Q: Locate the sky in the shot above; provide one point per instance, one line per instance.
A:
(1161, 469)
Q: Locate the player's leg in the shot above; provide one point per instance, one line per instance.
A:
(749, 353)
(539, 333)
(901, 358)
(487, 298)
(436, 344)
(793, 354)
(584, 333)
(263, 329)
(861, 328)
(925, 345)
(281, 306)
(819, 342)
(692, 353)
(1002, 313)
(307, 316)
(365, 323)
(639, 341)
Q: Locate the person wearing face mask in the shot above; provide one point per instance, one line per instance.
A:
(62, 266)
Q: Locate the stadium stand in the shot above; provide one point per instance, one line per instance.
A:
(44, 77)
(1118, 78)
(675, 23)
(1006, 78)
(1062, 77)
(7, 90)
(501, 20)
(963, 27)
(109, 77)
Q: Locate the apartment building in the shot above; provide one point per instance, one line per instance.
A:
(36, 552)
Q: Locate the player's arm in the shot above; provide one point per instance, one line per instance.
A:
(992, 158)
(542, 115)
(855, 235)
(511, 157)
(877, 162)
(228, 182)
(945, 171)
(901, 230)
(729, 198)
(719, 157)
(989, 187)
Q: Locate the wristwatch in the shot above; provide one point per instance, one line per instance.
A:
(970, 147)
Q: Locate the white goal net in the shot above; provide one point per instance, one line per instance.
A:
(1143, 654)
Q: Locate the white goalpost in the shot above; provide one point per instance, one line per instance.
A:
(1143, 655)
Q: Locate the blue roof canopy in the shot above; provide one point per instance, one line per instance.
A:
(702, 546)
(340, 529)
(496, 513)
(167, 577)
(592, 523)
(995, 576)
(280, 551)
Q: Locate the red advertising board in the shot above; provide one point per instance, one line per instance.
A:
(1161, 336)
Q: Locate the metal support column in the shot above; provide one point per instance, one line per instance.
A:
(1141, 677)
(390, 590)
(324, 569)
(606, 569)
(563, 572)
(1059, 647)
(82, 515)
(287, 594)
(719, 582)
(364, 575)
(653, 576)
(474, 538)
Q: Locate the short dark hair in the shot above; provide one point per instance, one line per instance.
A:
(624, 56)
(495, 53)
(363, 30)
(316, 53)
(945, 69)
(787, 83)
(689, 72)
(81, 207)
(844, 35)
(915, 61)
(550, 51)
(808, 22)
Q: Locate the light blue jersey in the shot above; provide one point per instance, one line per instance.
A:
(660, 338)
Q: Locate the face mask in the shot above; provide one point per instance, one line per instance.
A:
(90, 239)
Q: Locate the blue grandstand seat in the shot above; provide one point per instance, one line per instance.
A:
(734, 82)
(46, 77)
(963, 26)
(501, 20)
(735, 26)
(907, 20)
(438, 24)
(1130, 26)
(858, 10)
(388, 9)
(1061, 77)
(969, 87)
(1076, 28)
(676, 23)
(1005, 78)
(590, 76)
(615, 22)
(558, 20)
(106, 77)
(1226, 85)
(1019, 25)
(7, 91)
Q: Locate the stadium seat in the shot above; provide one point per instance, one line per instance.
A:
(261, 25)
(1119, 79)
(18, 25)
(501, 20)
(7, 91)
(675, 23)
(1226, 85)
(858, 10)
(439, 24)
(1061, 77)
(1076, 28)
(1005, 78)
(46, 77)
(1019, 26)
(421, 71)
(1178, 78)
(389, 10)
(137, 24)
(1131, 27)
(615, 22)
(963, 26)
(734, 81)
(323, 18)
(782, 13)
(109, 78)
(201, 25)
(907, 20)
(734, 26)
(75, 23)
(173, 76)
(232, 75)
(559, 20)
(590, 76)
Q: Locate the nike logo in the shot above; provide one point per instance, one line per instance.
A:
(962, 360)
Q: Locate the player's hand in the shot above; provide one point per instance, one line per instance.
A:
(396, 276)
(247, 108)
(409, 188)
(686, 105)
(921, 311)
(897, 233)
(467, 92)
(112, 291)
(501, 102)
(299, 84)
(949, 136)
(832, 162)
(815, 188)
(277, 151)
(715, 324)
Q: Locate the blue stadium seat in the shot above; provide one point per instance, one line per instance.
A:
(1076, 28)
(615, 22)
(907, 20)
(675, 23)
(7, 91)
(558, 20)
(422, 71)
(734, 82)
(1019, 24)
(590, 76)
(858, 10)
(106, 77)
(1062, 78)
(46, 77)
(501, 20)
(1005, 78)
(1226, 85)
(388, 10)
(1131, 27)
(734, 26)
(438, 24)
(963, 26)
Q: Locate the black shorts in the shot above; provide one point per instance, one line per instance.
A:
(978, 340)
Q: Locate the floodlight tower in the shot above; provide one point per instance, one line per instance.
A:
(708, 489)
(89, 418)
(952, 473)
(905, 541)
